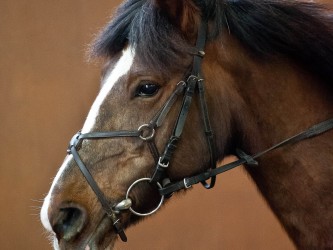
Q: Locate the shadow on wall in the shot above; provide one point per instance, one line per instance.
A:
(46, 90)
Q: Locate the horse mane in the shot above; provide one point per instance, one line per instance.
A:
(301, 31)
(140, 24)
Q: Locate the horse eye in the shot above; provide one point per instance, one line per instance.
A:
(147, 89)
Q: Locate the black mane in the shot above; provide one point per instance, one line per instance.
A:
(140, 24)
(301, 31)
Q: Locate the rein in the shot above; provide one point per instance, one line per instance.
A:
(247, 159)
(146, 132)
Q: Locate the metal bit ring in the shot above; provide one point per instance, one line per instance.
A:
(151, 212)
(146, 127)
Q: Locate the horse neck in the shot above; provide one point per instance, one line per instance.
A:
(282, 100)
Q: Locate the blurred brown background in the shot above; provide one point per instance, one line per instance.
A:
(46, 89)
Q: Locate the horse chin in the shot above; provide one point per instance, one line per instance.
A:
(103, 237)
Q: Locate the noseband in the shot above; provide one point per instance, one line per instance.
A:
(146, 132)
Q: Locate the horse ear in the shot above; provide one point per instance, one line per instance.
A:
(182, 13)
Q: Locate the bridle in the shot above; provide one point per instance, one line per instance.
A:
(146, 132)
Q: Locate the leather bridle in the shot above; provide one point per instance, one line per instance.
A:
(146, 132)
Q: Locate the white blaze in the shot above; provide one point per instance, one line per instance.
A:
(43, 213)
(121, 68)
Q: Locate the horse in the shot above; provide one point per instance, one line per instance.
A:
(185, 84)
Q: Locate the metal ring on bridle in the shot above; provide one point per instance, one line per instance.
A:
(148, 128)
(151, 212)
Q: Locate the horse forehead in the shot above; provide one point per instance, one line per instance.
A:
(121, 68)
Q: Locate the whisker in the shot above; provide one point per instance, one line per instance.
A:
(37, 200)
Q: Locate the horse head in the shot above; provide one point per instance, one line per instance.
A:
(184, 84)
(142, 118)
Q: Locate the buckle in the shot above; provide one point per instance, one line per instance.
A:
(74, 142)
(201, 53)
(162, 164)
(248, 158)
(147, 132)
(186, 185)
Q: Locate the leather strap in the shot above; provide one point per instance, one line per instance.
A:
(153, 149)
(76, 140)
(109, 134)
(164, 160)
(200, 46)
(159, 118)
(311, 132)
(247, 159)
(208, 132)
(193, 82)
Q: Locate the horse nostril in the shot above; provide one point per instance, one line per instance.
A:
(69, 222)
